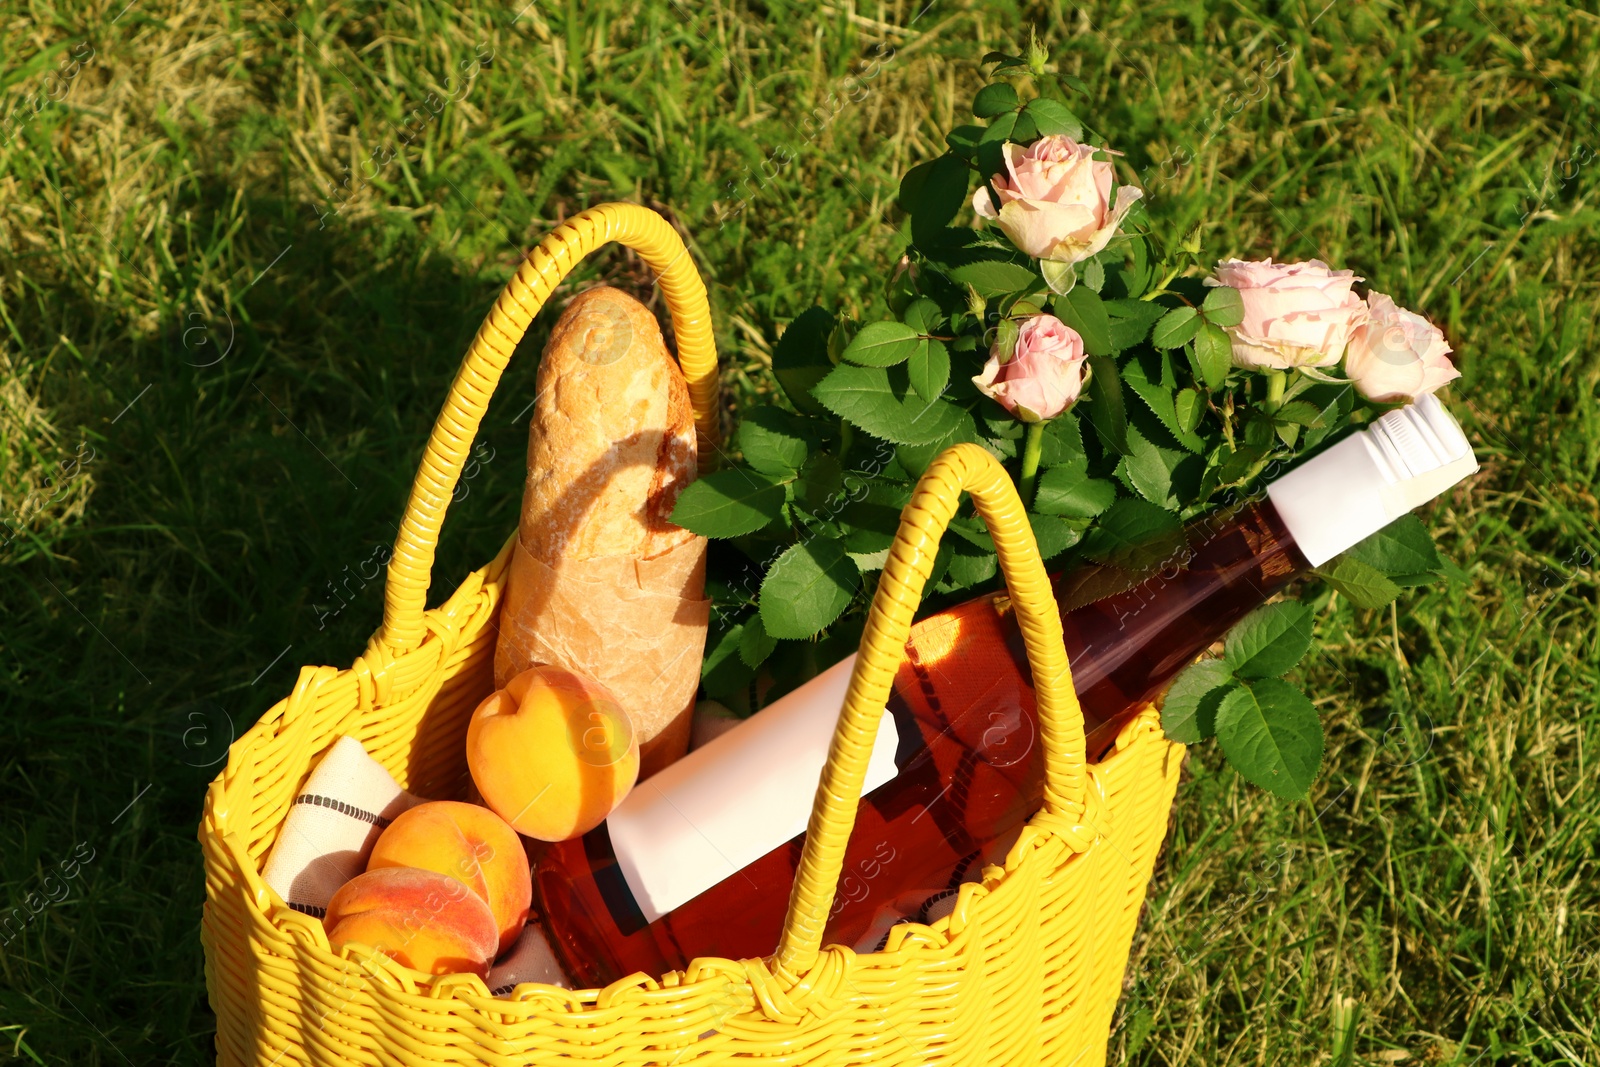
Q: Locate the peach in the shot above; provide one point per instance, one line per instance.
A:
(552, 753)
(472, 845)
(423, 919)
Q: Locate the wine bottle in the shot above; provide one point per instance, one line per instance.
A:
(698, 860)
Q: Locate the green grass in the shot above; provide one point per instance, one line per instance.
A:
(256, 390)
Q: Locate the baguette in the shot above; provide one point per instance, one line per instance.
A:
(601, 581)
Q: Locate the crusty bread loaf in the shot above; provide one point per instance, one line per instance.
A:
(612, 441)
(601, 581)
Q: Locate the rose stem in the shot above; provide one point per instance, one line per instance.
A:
(1031, 448)
(1162, 288)
(1275, 383)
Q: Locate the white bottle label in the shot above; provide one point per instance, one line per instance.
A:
(724, 806)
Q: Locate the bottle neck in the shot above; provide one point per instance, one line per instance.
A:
(1127, 645)
(1128, 631)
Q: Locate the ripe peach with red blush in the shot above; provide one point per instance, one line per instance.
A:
(422, 919)
(469, 843)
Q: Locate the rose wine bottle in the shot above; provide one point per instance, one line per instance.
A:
(698, 860)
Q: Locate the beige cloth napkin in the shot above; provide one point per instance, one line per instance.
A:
(531, 959)
(332, 825)
(328, 836)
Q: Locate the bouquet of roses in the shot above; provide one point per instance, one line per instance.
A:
(1131, 387)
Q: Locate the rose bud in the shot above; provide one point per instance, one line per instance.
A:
(1397, 355)
(1295, 314)
(1042, 375)
(1054, 199)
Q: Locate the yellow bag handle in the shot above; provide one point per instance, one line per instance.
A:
(883, 646)
(647, 233)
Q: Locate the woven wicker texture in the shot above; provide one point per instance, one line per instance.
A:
(1026, 970)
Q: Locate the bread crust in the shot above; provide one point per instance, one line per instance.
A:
(612, 441)
(601, 581)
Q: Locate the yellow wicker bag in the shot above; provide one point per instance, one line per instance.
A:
(1026, 970)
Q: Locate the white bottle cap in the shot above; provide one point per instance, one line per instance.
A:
(724, 806)
(1362, 484)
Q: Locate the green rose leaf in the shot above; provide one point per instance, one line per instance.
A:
(1135, 535)
(807, 588)
(942, 193)
(1054, 117)
(800, 359)
(872, 528)
(1401, 549)
(991, 160)
(1163, 404)
(1175, 328)
(1108, 412)
(821, 478)
(723, 672)
(1363, 585)
(929, 369)
(1301, 413)
(922, 315)
(1189, 709)
(1131, 320)
(1333, 403)
(1271, 735)
(1158, 474)
(772, 441)
(1233, 466)
(1069, 491)
(1213, 354)
(994, 100)
(729, 503)
(915, 458)
(1269, 640)
(881, 344)
(1077, 85)
(1259, 431)
(1084, 311)
(1188, 407)
(1135, 278)
(1054, 534)
(911, 183)
(871, 399)
(963, 140)
(1094, 274)
(1223, 306)
(994, 277)
(755, 644)
(999, 423)
(1025, 129)
(970, 534)
(1453, 573)
(1062, 441)
(968, 570)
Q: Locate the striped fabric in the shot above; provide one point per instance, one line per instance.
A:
(331, 827)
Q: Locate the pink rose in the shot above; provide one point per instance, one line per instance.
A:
(1295, 314)
(1397, 354)
(1054, 199)
(1044, 374)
